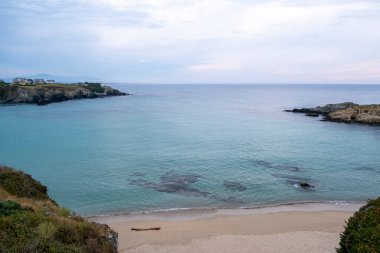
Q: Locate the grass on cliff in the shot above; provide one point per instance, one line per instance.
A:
(21, 185)
(362, 231)
(31, 222)
(94, 87)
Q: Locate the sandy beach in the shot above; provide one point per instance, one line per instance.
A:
(289, 228)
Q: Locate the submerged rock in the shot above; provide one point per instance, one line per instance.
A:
(234, 186)
(296, 181)
(270, 165)
(172, 182)
(179, 179)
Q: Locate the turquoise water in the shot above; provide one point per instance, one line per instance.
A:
(193, 147)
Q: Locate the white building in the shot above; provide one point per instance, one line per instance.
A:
(39, 81)
(20, 81)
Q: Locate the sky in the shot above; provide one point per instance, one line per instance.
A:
(198, 41)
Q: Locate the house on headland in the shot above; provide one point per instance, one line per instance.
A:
(25, 81)
(20, 81)
(39, 81)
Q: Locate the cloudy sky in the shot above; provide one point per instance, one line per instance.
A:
(205, 41)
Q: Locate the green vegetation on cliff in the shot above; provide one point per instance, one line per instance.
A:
(32, 222)
(362, 232)
(95, 87)
(22, 185)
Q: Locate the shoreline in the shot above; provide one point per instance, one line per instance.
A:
(204, 212)
(312, 227)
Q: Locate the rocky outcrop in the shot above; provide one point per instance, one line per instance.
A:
(345, 112)
(324, 110)
(46, 94)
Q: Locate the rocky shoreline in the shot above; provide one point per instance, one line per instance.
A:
(46, 94)
(347, 112)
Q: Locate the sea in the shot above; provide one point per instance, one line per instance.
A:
(195, 146)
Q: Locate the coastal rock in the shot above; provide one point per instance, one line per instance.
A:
(324, 110)
(345, 112)
(312, 114)
(46, 94)
(365, 114)
(305, 185)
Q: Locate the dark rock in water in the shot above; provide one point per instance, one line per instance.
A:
(312, 114)
(234, 186)
(295, 181)
(305, 185)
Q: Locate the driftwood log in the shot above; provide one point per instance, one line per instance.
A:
(144, 229)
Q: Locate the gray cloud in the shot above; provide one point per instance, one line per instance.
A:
(199, 41)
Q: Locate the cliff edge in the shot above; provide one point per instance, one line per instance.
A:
(30, 221)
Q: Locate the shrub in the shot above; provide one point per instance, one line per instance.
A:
(21, 184)
(94, 87)
(9, 207)
(45, 229)
(362, 231)
(62, 211)
(35, 232)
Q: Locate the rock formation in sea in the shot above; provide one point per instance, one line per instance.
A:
(347, 112)
(46, 94)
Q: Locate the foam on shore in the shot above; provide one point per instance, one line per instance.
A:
(183, 214)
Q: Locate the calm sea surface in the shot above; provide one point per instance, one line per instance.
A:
(194, 146)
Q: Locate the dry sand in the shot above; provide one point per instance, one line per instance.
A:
(296, 228)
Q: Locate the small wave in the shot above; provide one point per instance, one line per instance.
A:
(253, 207)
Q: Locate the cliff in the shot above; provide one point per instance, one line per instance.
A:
(30, 221)
(345, 112)
(46, 94)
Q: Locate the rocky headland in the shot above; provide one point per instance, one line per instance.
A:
(347, 112)
(46, 94)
